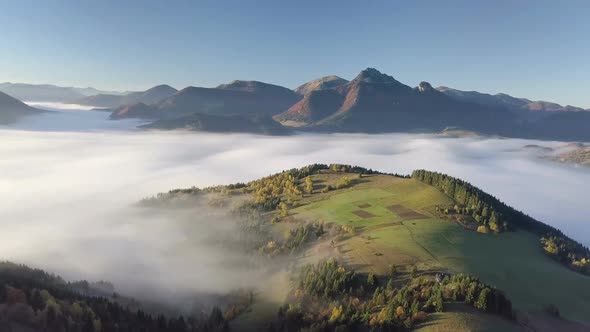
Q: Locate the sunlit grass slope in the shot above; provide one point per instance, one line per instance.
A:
(412, 234)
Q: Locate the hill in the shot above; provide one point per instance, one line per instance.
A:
(12, 109)
(149, 96)
(237, 97)
(32, 300)
(256, 124)
(395, 251)
(48, 92)
(326, 82)
(355, 249)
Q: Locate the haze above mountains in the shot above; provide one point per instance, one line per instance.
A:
(373, 102)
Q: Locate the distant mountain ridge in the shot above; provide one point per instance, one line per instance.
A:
(149, 96)
(48, 92)
(237, 97)
(12, 109)
(504, 100)
(372, 102)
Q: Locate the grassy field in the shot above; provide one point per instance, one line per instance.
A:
(399, 226)
(374, 195)
(461, 318)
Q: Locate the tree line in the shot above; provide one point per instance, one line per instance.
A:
(492, 213)
(43, 301)
(329, 297)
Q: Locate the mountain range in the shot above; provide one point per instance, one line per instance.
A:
(507, 101)
(376, 102)
(373, 102)
(149, 96)
(49, 93)
(237, 97)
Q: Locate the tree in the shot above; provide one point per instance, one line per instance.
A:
(482, 229)
(414, 271)
(438, 301)
(343, 182)
(309, 185)
(415, 308)
(393, 270)
(400, 313)
(484, 299)
(494, 224)
(284, 209)
(336, 313)
(371, 279)
(390, 285)
(485, 212)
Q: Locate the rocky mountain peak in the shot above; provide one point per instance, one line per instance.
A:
(372, 75)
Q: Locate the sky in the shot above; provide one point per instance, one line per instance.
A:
(534, 49)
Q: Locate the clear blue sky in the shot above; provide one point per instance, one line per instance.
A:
(535, 49)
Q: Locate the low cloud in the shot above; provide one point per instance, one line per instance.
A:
(67, 198)
(57, 106)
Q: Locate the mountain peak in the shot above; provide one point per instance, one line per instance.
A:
(242, 85)
(326, 82)
(372, 75)
(425, 87)
(162, 87)
(258, 87)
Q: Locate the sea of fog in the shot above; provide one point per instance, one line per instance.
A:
(68, 181)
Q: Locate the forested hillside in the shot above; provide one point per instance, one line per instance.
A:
(45, 302)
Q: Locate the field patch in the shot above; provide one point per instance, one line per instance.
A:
(405, 213)
(383, 225)
(363, 214)
(363, 205)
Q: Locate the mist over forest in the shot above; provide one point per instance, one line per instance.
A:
(73, 194)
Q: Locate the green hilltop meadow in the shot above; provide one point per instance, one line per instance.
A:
(361, 250)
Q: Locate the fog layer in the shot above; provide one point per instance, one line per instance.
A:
(66, 196)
